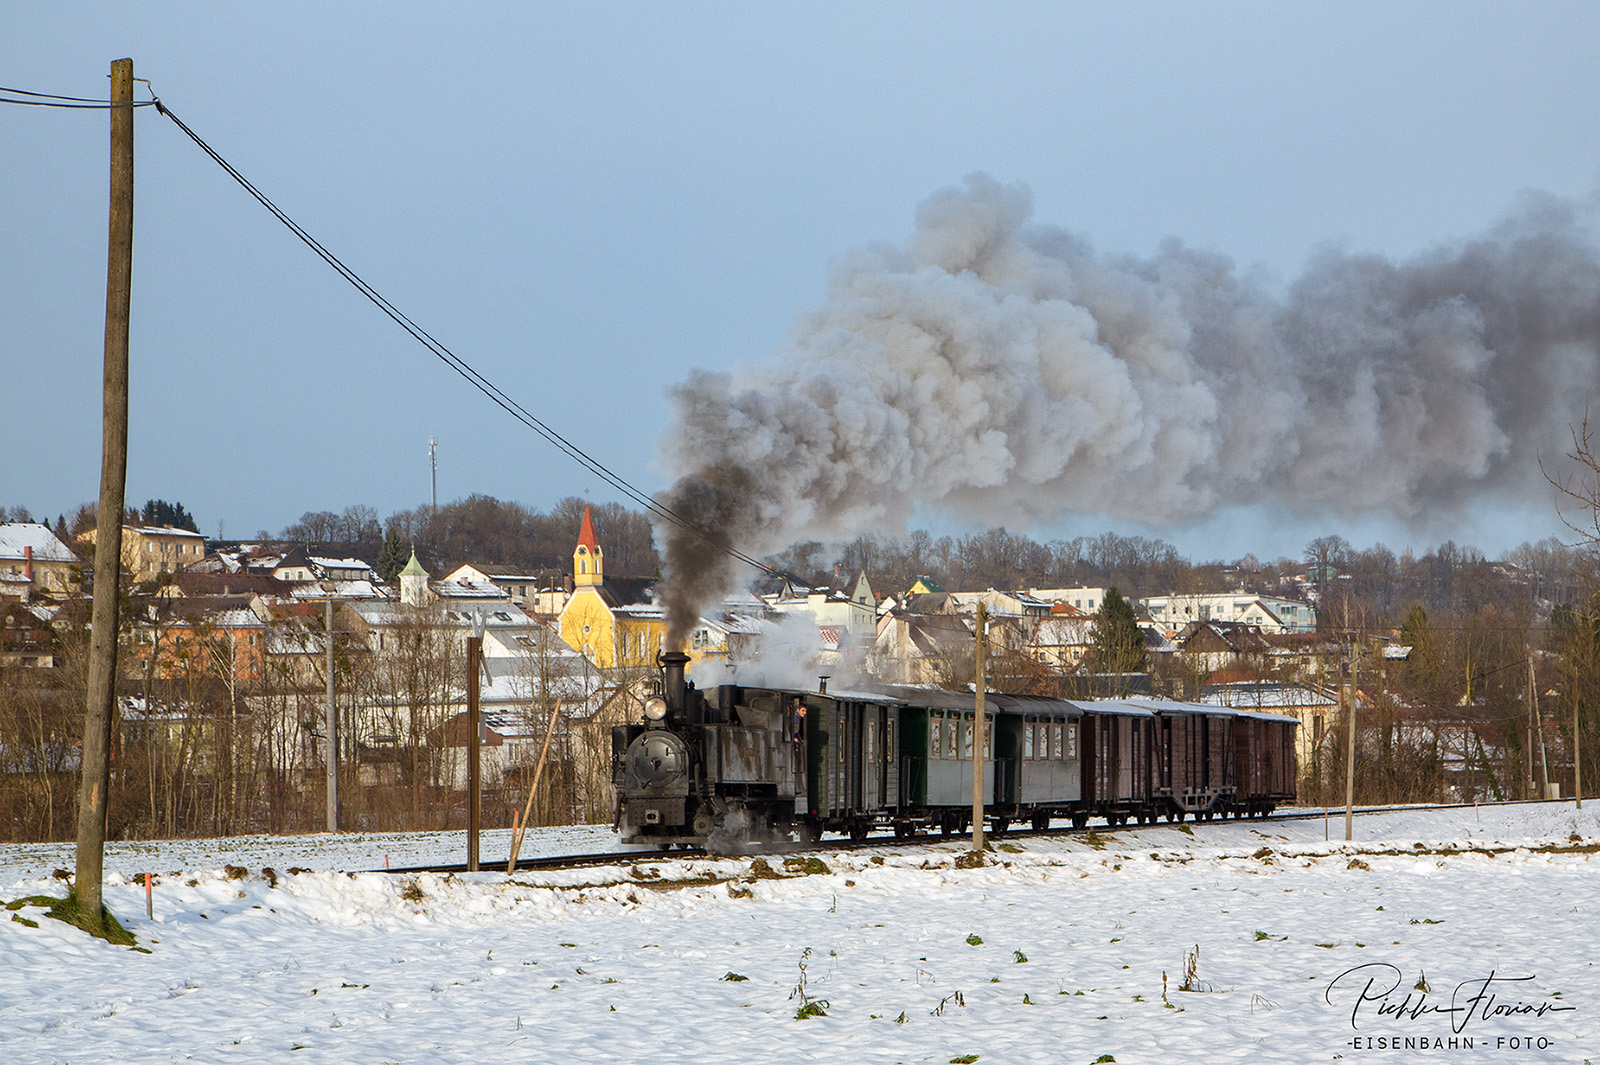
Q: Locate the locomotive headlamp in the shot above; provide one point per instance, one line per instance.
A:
(655, 708)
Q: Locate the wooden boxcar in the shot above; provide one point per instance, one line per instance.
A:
(1264, 754)
(1193, 762)
(1117, 743)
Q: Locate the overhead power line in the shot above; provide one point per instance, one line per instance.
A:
(454, 361)
(79, 103)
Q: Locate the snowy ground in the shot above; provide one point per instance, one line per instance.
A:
(1057, 954)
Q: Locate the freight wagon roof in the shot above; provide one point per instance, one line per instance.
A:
(1168, 706)
(1116, 706)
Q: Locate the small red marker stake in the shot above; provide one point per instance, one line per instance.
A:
(386, 861)
(149, 900)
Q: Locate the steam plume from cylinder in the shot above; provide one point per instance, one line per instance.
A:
(1005, 371)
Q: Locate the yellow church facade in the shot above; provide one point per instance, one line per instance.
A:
(595, 623)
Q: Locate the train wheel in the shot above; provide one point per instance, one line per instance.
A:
(1041, 822)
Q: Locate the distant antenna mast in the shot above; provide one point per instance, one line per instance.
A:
(433, 464)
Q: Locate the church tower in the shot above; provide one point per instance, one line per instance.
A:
(588, 561)
(414, 582)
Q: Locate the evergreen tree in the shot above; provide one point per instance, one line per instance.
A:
(394, 555)
(1118, 641)
(160, 512)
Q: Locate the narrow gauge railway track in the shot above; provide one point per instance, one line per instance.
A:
(577, 861)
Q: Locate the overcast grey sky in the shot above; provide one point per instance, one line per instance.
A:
(586, 201)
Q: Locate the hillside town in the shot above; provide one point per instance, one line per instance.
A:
(232, 651)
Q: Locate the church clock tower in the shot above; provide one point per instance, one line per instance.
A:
(588, 561)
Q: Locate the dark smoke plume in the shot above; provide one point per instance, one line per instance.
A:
(1003, 370)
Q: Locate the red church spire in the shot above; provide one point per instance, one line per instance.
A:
(586, 537)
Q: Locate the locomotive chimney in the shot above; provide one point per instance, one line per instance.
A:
(673, 685)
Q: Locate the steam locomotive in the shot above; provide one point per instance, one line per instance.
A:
(723, 767)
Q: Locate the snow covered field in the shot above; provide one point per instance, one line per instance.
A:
(1057, 953)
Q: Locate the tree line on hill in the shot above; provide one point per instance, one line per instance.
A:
(1375, 581)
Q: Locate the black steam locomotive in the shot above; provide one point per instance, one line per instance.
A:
(733, 764)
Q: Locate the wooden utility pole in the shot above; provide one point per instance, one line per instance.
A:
(474, 764)
(978, 732)
(1577, 751)
(330, 748)
(100, 696)
(1537, 720)
(1350, 751)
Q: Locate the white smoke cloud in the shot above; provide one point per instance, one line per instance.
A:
(1006, 372)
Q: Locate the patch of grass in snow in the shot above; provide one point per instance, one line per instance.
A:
(67, 911)
(806, 866)
(965, 1059)
(1095, 840)
(412, 892)
(733, 977)
(974, 940)
(1021, 957)
(1011, 848)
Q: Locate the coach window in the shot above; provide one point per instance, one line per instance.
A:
(1027, 740)
(1055, 740)
(950, 736)
(1072, 740)
(966, 736)
(935, 736)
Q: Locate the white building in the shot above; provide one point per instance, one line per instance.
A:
(1270, 614)
(1087, 600)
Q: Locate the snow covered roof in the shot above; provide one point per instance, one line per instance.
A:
(17, 536)
(336, 590)
(340, 563)
(468, 590)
